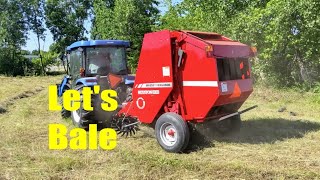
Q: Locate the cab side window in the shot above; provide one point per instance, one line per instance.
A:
(75, 62)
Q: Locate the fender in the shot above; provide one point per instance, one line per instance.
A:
(61, 86)
(87, 81)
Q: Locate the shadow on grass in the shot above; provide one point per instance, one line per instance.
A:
(254, 131)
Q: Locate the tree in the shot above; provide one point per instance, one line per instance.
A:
(49, 58)
(103, 21)
(286, 33)
(35, 17)
(126, 20)
(288, 39)
(65, 20)
(13, 30)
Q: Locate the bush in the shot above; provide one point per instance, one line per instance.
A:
(48, 59)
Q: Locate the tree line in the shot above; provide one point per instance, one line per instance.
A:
(285, 32)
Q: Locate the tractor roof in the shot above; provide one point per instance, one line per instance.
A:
(98, 43)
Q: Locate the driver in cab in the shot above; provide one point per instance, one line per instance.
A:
(100, 63)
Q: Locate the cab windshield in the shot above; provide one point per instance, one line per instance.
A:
(105, 60)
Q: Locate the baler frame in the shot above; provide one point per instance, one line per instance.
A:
(164, 93)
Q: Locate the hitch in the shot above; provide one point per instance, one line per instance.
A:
(237, 113)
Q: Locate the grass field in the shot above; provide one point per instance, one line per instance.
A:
(271, 145)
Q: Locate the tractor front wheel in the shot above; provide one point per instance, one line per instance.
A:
(65, 113)
(172, 132)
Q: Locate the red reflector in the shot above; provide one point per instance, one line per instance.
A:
(242, 76)
(236, 91)
(241, 65)
(114, 80)
(81, 72)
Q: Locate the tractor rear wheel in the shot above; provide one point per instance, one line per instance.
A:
(230, 125)
(82, 118)
(172, 132)
(78, 115)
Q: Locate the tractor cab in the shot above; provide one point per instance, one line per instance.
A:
(96, 62)
(97, 57)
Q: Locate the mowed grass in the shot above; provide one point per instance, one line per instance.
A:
(11, 87)
(271, 145)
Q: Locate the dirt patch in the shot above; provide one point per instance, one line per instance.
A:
(4, 105)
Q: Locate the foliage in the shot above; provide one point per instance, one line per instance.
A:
(286, 33)
(49, 58)
(12, 36)
(35, 16)
(126, 20)
(65, 20)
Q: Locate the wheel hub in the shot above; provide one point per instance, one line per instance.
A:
(168, 134)
(171, 132)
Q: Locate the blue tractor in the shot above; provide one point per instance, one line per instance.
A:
(96, 62)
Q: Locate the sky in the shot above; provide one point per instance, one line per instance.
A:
(44, 45)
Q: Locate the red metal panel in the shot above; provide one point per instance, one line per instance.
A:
(153, 82)
(200, 79)
(230, 49)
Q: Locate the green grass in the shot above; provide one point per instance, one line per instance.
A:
(271, 145)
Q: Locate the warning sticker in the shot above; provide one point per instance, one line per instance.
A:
(155, 85)
(166, 71)
(148, 92)
(224, 87)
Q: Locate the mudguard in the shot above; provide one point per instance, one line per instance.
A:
(87, 81)
(61, 86)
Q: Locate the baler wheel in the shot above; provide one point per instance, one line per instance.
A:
(172, 132)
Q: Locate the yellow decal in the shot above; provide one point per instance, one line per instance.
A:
(110, 103)
(53, 99)
(78, 138)
(71, 99)
(108, 139)
(57, 136)
(87, 92)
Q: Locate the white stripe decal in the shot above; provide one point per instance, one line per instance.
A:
(200, 83)
(156, 85)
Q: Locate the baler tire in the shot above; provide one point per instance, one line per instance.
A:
(175, 122)
(65, 113)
